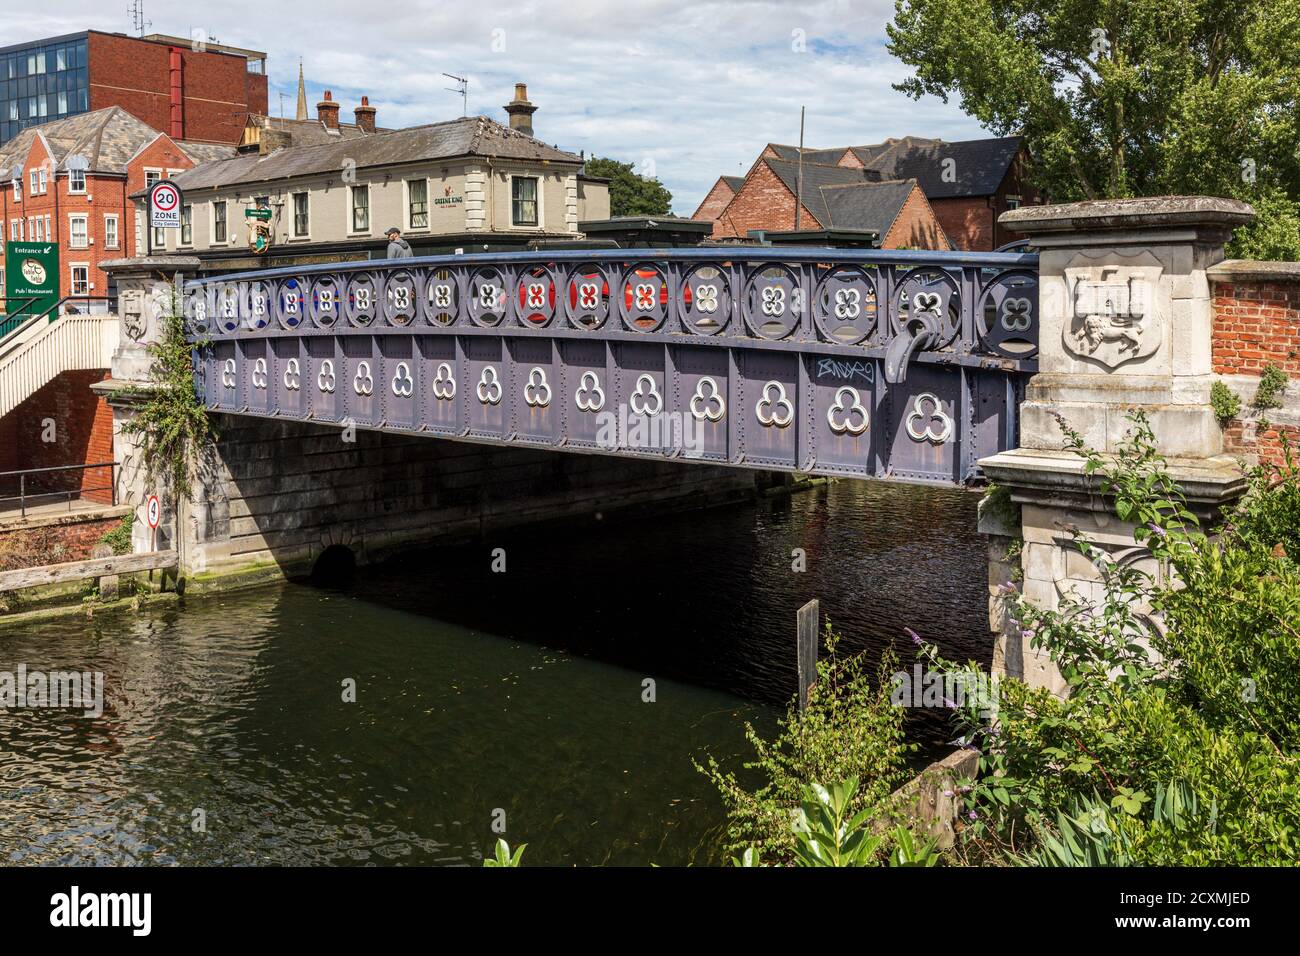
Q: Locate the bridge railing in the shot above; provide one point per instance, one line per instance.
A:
(862, 363)
(965, 308)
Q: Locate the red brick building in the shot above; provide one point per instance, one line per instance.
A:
(67, 182)
(188, 89)
(961, 188)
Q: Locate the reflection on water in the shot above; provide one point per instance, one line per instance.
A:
(476, 691)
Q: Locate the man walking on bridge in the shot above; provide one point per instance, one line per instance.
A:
(398, 248)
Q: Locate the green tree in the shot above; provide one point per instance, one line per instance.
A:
(631, 194)
(1120, 98)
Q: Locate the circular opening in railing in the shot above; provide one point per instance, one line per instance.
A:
(588, 298)
(706, 299)
(536, 296)
(930, 297)
(400, 297)
(290, 303)
(194, 306)
(226, 304)
(257, 299)
(441, 295)
(363, 299)
(773, 302)
(488, 301)
(845, 306)
(1008, 314)
(645, 298)
(324, 301)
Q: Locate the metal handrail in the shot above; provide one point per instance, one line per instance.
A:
(919, 257)
(22, 497)
(13, 324)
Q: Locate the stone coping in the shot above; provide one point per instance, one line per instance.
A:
(1129, 214)
(13, 522)
(151, 264)
(1254, 270)
(1036, 476)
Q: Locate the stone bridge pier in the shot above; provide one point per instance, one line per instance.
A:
(1126, 323)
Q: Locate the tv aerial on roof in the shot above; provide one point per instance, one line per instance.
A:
(461, 87)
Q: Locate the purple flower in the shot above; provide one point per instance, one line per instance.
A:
(973, 815)
(1008, 588)
(916, 638)
(1157, 529)
(1027, 634)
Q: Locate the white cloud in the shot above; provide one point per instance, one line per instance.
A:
(698, 87)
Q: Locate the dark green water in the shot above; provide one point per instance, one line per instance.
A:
(477, 692)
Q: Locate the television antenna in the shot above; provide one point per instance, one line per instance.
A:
(138, 22)
(461, 87)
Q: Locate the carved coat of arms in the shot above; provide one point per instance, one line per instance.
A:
(1114, 312)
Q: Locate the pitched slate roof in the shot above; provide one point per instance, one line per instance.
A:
(869, 206)
(310, 132)
(734, 182)
(815, 176)
(979, 165)
(105, 139)
(469, 136)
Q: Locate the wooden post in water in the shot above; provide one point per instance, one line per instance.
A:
(809, 619)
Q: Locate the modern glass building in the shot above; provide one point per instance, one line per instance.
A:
(42, 81)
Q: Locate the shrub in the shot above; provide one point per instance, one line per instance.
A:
(1197, 683)
(850, 730)
(1225, 402)
(119, 538)
(1272, 385)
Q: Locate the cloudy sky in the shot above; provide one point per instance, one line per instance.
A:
(686, 89)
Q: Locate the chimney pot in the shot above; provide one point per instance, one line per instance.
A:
(327, 111)
(365, 114)
(521, 111)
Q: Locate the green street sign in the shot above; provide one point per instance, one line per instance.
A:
(31, 271)
(263, 214)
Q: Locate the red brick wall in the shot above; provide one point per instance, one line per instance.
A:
(916, 226)
(105, 195)
(764, 202)
(714, 202)
(217, 90)
(969, 222)
(1257, 323)
(83, 434)
(52, 544)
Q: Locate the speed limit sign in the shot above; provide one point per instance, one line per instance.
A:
(153, 511)
(165, 205)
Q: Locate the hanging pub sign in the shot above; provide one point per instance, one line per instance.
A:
(259, 219)
(165, 205)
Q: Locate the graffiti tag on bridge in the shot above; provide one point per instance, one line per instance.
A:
(847, 371)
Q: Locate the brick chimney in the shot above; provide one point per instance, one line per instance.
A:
(521, 111)
(327, 111)
(365, 114)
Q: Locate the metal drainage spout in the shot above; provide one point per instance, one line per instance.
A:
(921, 332)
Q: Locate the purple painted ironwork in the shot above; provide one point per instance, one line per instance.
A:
(861, 363)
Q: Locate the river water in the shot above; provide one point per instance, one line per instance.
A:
(481, 695)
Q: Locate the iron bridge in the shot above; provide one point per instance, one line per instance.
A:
(869, 364)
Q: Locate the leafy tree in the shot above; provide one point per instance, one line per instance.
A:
(1120, 98)
(631, 194)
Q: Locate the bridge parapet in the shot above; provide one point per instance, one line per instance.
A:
(849, 362)
(1126, 323)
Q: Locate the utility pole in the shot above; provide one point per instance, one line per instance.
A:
(798, 182)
